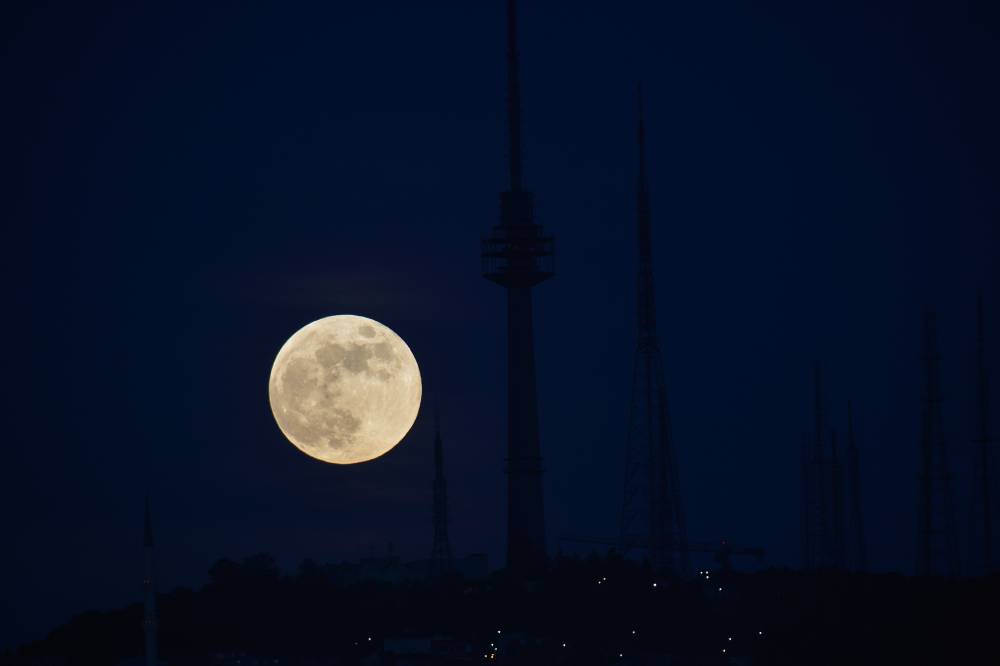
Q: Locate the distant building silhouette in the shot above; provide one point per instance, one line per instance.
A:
(149, 591)
(652, 515)
(515, 256)
(441, 560)
(937, 543)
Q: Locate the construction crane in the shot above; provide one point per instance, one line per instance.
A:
(724, 552)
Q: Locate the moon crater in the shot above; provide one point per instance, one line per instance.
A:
(345, 389)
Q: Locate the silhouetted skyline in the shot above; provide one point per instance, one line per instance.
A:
(188, 185)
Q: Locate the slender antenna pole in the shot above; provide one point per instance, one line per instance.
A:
(806, 525)
(513, 98)
(982, 386)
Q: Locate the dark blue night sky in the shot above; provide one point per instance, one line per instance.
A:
(185, 185)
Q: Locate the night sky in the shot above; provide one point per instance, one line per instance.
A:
(186, 186)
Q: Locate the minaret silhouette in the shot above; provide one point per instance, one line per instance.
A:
(515, 256)
(441, 559)
(824, 541)
(805, 503)
(652, 515)
(149, 590)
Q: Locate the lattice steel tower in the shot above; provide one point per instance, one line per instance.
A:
(857, 548)
(517, 256)
(823, 532)
(441, 560)
(985, 530)
(937, 544)
(652, 516)
(838, 519)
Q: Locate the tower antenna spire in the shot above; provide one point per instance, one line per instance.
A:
(647, 309)
(644, 236)
(513, 98)
(438, 453)
(147, 526)
(643, 188)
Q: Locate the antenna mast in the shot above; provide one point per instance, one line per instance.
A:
(652, 515)
(937, 548)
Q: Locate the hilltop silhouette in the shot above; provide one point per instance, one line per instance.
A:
(598, 607)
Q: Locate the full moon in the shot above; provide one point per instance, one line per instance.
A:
(345, 389)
